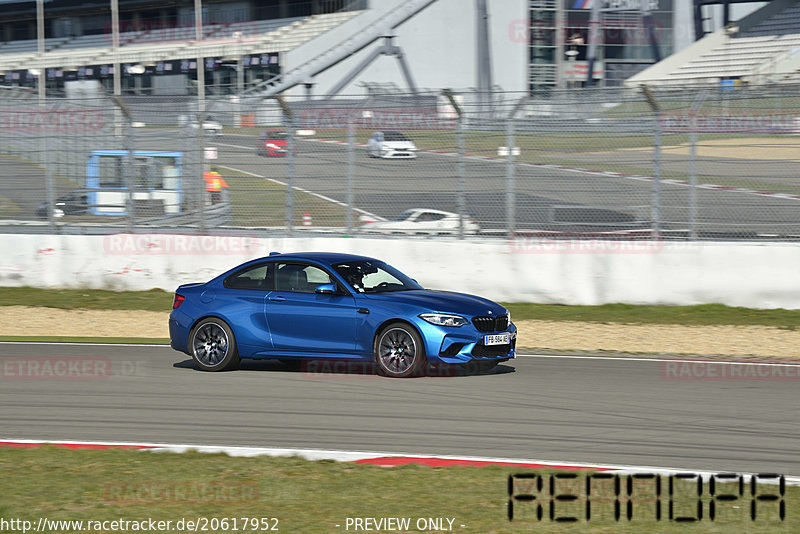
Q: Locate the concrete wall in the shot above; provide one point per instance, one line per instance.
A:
(738, 274)
(439, 45)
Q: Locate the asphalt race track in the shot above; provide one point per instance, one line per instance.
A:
(546, 198)
(591, 410)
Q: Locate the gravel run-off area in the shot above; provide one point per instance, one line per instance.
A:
(545, 335)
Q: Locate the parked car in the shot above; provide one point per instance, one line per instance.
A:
(73, 203)
(273, 143)
(335, 306)
(422, 221)
(210, 126)
(388, 145)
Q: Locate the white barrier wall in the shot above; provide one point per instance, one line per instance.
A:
(757, 275)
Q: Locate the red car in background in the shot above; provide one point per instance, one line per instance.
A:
(273, 143)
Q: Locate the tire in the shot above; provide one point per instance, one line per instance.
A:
(213, 345)
(398, 351)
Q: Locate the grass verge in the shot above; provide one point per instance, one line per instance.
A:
(304, 496)
(261, 202)
(86, 299)
(701, 315)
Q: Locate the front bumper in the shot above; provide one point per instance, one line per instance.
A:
(398, 154)
(465, 344)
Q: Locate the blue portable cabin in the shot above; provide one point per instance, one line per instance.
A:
(156, 176)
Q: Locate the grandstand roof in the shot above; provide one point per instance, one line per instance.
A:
(762, 47)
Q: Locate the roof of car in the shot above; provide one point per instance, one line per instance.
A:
(325, 258)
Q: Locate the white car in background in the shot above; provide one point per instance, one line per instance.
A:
(210, 126)
(422, 222)
(391, 145)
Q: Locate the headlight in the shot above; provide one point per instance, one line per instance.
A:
(444, 319)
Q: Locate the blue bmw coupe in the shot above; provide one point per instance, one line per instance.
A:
(335, 306)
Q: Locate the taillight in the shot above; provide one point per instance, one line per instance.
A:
(177, 301)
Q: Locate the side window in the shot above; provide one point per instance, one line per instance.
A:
(253, 277)
(299, 278)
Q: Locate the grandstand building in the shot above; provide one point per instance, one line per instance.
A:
(246, 42)
(324, 47)
(763, 47)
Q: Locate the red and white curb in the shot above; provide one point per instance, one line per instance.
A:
(379, 458)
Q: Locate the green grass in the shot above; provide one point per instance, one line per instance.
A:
(8, 208)
(261, 202)
(700, 315)
(87, 299)
(308, 496)
(706, 314)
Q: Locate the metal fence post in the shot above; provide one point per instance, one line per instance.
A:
(290, 179)
(460, 169)
(201, 166)
(128, 160)
(693, 164)
(351, 149)
(510, 179)
(462, 201)
(49, 184)
(657, 176)
(511, 184)
(693, 175)
(656, 202)
(288, 118)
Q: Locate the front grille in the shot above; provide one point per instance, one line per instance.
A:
(487, 323)
(452, 350)
(490, 351)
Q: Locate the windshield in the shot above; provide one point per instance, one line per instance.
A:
(394, 136)
(374, 277)
(276, 135)
(405, 215)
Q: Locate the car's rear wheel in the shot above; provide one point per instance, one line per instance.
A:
(398, 351)
(213, 345)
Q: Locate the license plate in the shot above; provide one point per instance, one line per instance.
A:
(497, 339)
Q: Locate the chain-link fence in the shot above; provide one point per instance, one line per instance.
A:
(696, 163)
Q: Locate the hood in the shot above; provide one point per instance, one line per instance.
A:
(441, 301)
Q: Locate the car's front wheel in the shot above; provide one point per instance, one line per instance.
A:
(398, 351)
(213, 345)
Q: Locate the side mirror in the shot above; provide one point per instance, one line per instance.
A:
(325, 289)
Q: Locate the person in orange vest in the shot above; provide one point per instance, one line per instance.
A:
(214, 184)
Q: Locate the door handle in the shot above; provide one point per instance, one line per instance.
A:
(365, 311)
(277, 298)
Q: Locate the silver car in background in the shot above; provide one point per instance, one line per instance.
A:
(391, 145)
(421, 222)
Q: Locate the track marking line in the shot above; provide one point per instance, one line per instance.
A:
(302, 190)
(612, 174)
(699, 359)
